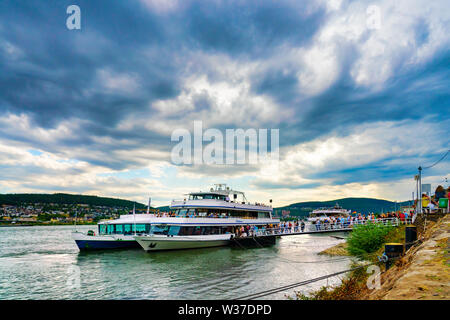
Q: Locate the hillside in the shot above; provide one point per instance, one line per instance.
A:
(363, 205)
(64, 198)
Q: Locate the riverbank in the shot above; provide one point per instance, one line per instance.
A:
(423, 273)
(337, 250)
(45, 224)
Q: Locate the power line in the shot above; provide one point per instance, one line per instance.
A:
(448, 151)
(315, 261)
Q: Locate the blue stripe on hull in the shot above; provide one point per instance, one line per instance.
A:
(99, 244)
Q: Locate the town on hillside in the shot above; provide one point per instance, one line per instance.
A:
(55, 213)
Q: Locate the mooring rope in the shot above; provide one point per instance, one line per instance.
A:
(298, 284)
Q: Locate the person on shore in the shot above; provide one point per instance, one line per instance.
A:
(427, 203)
(302, 226)
(439, 193)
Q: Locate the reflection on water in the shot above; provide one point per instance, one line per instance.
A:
(44, 263)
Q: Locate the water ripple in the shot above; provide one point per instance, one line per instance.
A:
(36, 263)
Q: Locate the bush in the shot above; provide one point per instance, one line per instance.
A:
(366, 239)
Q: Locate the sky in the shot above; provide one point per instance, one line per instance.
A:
(359, 91)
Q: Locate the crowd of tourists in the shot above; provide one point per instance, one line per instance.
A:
(440, 200)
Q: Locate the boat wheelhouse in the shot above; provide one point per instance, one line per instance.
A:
(206, 219)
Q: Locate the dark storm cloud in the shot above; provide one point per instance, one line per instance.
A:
(53, 81)
(57, 79)
(250, 28)
(53, 75)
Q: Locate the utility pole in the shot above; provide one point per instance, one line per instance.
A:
(420, 190)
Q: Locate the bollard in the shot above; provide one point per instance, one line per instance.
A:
(393, 250)
(410, 236)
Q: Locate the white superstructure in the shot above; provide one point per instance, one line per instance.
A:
(206, 219)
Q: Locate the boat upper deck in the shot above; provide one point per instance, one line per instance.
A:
(196, 220)
(218, 203)
(222, 197)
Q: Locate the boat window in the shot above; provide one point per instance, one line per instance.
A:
(263, 215)
(186, 231)
(159, 229)
(203, 230)
(102, 228)
(174, 230)
(118, 229)
(127, 228)
(182, 212)
(110, 229)
(140, 228)
(206, 230)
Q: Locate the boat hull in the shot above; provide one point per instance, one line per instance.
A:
(85, 242)
(85, 245)
(178, 243)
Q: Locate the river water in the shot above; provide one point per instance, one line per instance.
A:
(43, 262)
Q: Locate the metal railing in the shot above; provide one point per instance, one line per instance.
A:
(323, 227)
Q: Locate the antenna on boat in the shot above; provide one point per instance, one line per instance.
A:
(134, 217)
(148, 208)
(76, 215)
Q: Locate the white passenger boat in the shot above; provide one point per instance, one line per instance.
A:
(322, 215)
(206, 219)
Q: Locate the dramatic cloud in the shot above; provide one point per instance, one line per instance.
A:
(358, 89)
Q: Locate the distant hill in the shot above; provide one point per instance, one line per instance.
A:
(64, 198)
(362, 205)
(163, 208)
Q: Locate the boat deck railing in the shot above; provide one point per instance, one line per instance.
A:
(211, 217)
(229, 201)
